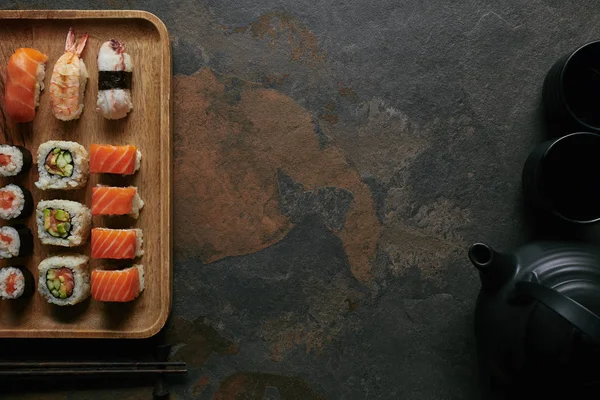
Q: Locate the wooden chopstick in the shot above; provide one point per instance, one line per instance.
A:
(92, 364)
(60, 371)
(89, 368)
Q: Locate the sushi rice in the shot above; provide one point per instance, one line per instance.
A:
(18, 202)
(78, 265)
(19, 283)
(39, 86)
(18, 160)
(15, 241)
(139, 242)
(80, 159)
(80, 220)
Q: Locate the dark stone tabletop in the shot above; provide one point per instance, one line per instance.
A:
(333, 162)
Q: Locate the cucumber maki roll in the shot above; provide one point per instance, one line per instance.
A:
(62, 165)
(15, 241)
(63, 222)
(15, 202)
(64, 280)
(14, 160)
(15, 282)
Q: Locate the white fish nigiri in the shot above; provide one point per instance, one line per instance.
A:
(114, 80)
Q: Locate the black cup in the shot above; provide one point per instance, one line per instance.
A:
(571, 92)
(562, 177)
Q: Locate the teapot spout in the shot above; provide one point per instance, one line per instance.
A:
(495, 269)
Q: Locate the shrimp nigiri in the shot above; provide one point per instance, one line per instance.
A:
(114, 80)
(69, 78)
(24, 81)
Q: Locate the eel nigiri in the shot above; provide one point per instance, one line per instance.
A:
(124, 160)
(121, 286)
(69, 78)
(108, 200)
(24, 82)
(117, 243)
(114, 80)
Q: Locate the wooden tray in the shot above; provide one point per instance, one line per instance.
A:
(148, 126)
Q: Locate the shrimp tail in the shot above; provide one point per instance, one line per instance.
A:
(70, 43)
(81, 44)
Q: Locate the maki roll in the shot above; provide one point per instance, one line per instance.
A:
(63, 222)
(15, 282)
(62, 165)
(64, 280)
(119, 286)
(114, 80)
(15, 202)
(109, 200)
(14, 160)
(15, 241)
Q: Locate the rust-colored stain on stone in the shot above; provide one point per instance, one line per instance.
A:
(275, 80)
(276, 26)
(200, 385)
(328, 113)
(230, 141)
(258, 386)
(198, 341)
(329, 304)
(347, 92)
(426, 241)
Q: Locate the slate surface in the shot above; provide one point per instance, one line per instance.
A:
(360, 148)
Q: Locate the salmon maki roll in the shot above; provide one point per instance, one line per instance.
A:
(14, 160)
(15, 241)
(16, 282)
(108, 159)
(117, 243)
(119, 286)
(24, 82)
(15, 202)
(109, 200)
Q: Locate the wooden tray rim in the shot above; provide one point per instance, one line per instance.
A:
(166, 174)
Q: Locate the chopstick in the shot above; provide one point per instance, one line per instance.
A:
(89, 368)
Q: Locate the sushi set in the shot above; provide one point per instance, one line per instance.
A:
(85, 174)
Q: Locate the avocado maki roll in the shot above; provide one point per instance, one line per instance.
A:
(63, 222)
(62, 165)
(64, 280)
(15, 282)
(14, 160)
(15, 202)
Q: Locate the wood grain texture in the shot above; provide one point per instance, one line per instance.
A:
(148, 126)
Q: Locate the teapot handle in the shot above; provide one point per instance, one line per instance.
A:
(575, 313)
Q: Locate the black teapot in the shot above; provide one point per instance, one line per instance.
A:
(536, 318)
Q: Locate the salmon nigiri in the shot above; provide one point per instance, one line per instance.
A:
(24, 82)
(117, 243)
(124, 160)
(121, 286)
(109, 200)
